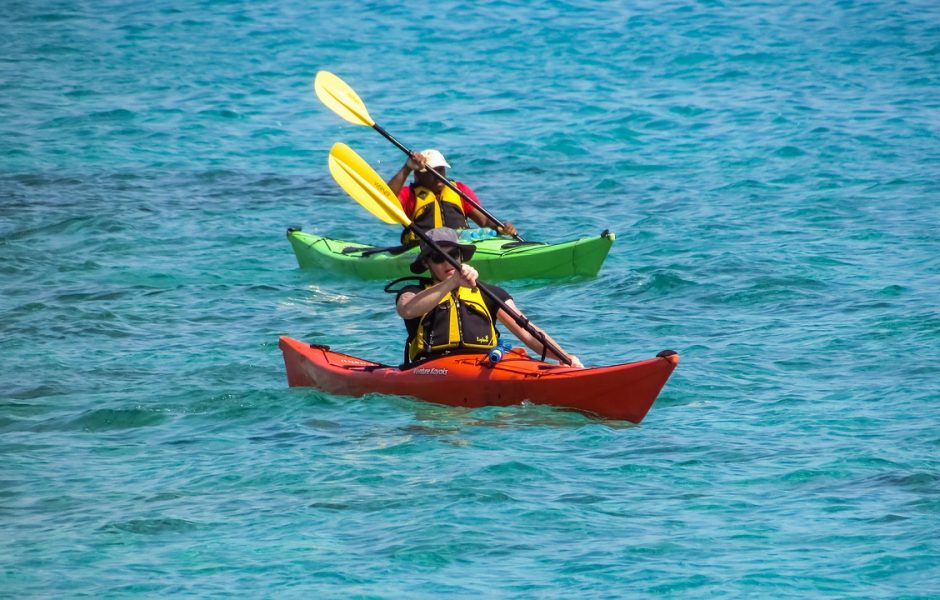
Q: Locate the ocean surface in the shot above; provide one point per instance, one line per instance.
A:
(772, 173)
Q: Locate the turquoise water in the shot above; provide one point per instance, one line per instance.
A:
(772, 173)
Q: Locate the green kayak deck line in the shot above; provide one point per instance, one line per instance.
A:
(496, 258)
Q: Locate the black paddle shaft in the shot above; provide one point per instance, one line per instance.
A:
(443, 179)
(518, 318)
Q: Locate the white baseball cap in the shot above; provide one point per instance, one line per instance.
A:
(435, 158)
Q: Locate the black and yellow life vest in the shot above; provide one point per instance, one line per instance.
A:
(431, 212)
(461, 320)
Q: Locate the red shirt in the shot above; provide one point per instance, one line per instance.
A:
(407, 198)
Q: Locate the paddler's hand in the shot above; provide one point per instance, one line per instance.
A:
(416, 162)
(465, 277)
(507, 229)
(575, 362)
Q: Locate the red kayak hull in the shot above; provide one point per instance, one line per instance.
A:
(624, 391)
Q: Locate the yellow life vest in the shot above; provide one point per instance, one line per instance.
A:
(455, 323)
(431, 212)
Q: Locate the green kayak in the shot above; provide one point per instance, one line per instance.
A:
(496, 258)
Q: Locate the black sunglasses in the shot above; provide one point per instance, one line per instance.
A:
(454, 253)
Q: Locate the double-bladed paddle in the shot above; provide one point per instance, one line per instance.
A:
(343, 100)
(366, 187)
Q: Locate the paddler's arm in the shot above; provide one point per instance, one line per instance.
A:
(415, 162)
(483, 221)
(412, 305)
(530, 340)
(477, 216)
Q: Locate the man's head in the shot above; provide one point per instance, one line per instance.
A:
(428, 257)
(435, 160)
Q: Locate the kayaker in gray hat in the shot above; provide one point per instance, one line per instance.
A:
(429, 203)
(447, 311)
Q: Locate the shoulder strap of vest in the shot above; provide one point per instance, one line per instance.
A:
(419, 280)
(449, 193)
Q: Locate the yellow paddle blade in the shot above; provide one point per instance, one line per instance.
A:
(360, 181)
(341, 99)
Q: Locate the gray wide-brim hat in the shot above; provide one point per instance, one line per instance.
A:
(445, 237)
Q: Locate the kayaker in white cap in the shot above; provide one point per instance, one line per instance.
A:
(429, 203)
(428, 307)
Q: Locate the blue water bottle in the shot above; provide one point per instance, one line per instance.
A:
(496, 354)
(476, 234)
(469, 235)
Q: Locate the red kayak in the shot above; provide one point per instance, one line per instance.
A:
(624, 391)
